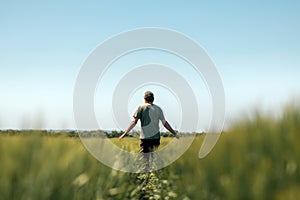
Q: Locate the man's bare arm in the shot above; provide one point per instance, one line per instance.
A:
(130, 127)
(168, 126)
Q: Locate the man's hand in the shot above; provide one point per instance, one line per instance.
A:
(175, 133)
(168, 126)
(131, 125)
(122, 136)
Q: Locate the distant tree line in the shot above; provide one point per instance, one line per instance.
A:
(75, 133)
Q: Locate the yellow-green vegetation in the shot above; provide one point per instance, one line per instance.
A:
(133, 144)
(256, 158)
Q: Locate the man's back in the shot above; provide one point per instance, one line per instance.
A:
(150, 115)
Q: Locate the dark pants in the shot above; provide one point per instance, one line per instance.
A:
(149, 145)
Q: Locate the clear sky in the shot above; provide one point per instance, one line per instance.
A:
(254, 44)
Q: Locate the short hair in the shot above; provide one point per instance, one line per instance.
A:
(149, 96)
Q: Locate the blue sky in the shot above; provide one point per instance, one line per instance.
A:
(255, 46)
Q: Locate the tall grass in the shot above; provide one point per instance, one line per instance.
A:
(257, 158)
(51, 168)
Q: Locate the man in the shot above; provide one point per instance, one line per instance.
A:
(149, 114)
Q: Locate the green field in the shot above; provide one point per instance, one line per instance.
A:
(256, 158)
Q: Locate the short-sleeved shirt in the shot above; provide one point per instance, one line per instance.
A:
(149, 115)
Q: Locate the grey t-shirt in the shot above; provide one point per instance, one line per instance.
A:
(150, 115)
